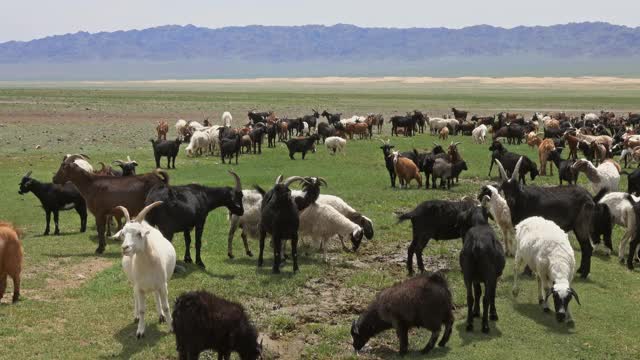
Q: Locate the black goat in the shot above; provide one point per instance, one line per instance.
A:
(272, 132)
(633, 182)
(433, 219)
(325, 130)
(187, 206)
(422, 301)
(230, 147)
(257, 117)
(564, 167)
(388, 161)
(312, 119)
(482, 261)
(280, 218)
(570, 207)
(303, 145)
(55, 198)
(332, 118)
(509, 161)
(407, 122)
(203, 321)
(128, 167)
(257, 135)
(166, 148)
(515, 133)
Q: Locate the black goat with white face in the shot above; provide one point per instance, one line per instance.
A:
(128, 167)
(55, 198)
(187, 206)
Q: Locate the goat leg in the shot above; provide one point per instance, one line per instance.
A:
(468, 284)
(263, 234)
(101, 225)
(48, 217)
(277, 250)
(294, 251)
(432, 342)
(199, 230)
(55, 221)
(187, 247)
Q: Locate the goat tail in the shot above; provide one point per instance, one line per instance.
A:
(405, 216)
(163, 175)
(600, 195)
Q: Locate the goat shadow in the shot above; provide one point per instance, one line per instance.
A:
(52, 235)
(416, 344)
(548, 320)
(131, 345)
(476, 335)
(109, 255)
(183, 270)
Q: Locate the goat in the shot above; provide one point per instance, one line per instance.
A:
(565, 172)
(79, 159)
(230, 147)
(331, 118)
(545, 248)
(433, 219)
(447, 171)
(482, 261)
(226, 119)
(198, 143)
(103, 193)
(162, 129)
(479, 134)
(570, 207)
(169, 149)
(335, 145)
(187, 206)
(509, 160)
(203, 321)
(128, 167)
(257, 135)
(11, 254)
(500, 213)
(406, 170)
(54, 198)
(636, 237)
(546, 147)
(444, 133)
(459, 115)
(303, 145)
(633, 182)
(404, 306)
(605, 176)
(388, 160)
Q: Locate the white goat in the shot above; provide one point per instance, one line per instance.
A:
(499, 210)
(199, 143)
(148, 259)
(622, 214)
(590, 117)
(353, 120)
(226, 119)
(249, 222)
(436, 124)
(479, 134)
(335, 144)
(180, 126)
(545, 248)
(605, 176)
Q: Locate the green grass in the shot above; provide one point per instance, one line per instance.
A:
(70, 311)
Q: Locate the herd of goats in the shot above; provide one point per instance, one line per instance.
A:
(533, 220)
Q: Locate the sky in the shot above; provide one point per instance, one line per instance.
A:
(30, 19)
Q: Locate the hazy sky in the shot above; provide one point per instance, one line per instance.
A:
(29, 19)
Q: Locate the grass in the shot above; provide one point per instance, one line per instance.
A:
(78, 305)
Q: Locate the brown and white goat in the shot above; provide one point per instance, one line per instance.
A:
(406, 170)
(10, 258)
(533, 140)
(162, 129)
(545, 148)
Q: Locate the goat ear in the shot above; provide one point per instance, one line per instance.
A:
(354, 327)
(575, 294)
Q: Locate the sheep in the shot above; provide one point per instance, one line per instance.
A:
(482, 261)
(421, 301)
(335, 145)
(187, 206)
(162, 129)
(406, 170)
(11, 254)
(321, 222)
(279, 217)
(444, 133)
(203, 321)
(226, 119)
(545, 248)
(198, 143)
(446, 171)
(605, 176)
(169, 149)
(148, 260)
(54, 198)
(103, 193)
(303, 145)
(500, 213)
(564, 167)
(571, 207)
(433, 219)
(479, 134)
(544, 149)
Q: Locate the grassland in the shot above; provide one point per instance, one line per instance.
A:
(77, 305)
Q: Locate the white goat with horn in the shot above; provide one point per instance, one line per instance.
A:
(148, 259)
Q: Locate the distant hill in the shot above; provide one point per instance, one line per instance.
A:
(333, 46)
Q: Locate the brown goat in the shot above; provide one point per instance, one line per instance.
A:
(162, 129)
(453, 155)
(103, 193)
(444, 133)
(406, 170)
(533, 140)
(10, 258)
(572, 141)
(545, 148)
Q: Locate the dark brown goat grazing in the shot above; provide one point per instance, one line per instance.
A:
(103, 193)
(10, 258)
(421, 301)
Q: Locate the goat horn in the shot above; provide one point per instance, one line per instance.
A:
(102, 164)
(292, 179)
(516, 171)
(485, 200)
(458, 143)
(436, 144)
(575, 294)
(323, 181)
(235, 176)
(27, 174)
(118, 162)
(143, 213)
(128, 158)
(125, 212)
(85, 156)
(503, 174)
(279, 179)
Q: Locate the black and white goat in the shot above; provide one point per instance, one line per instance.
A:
(303, 145)
(509, 161)
(55, 198)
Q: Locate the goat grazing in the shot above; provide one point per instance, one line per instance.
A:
(479, 134)
(545, 248)
(335, 145)
(203, 321)
(422, 301)
(11, 254)
(169, 149)
(447, 171)
(303, 145)
(544, 149)
(148, 259)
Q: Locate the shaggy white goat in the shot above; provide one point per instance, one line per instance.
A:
(352, 120)
(321, 222)
(148, 259)
(249, 221)
(605, 176)
(545, 248)
(436, 124)
(226, 119)
(479, 134)
(335, 144)
(591, 117)
(621, 214)
(499, 210)
(199, 143)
